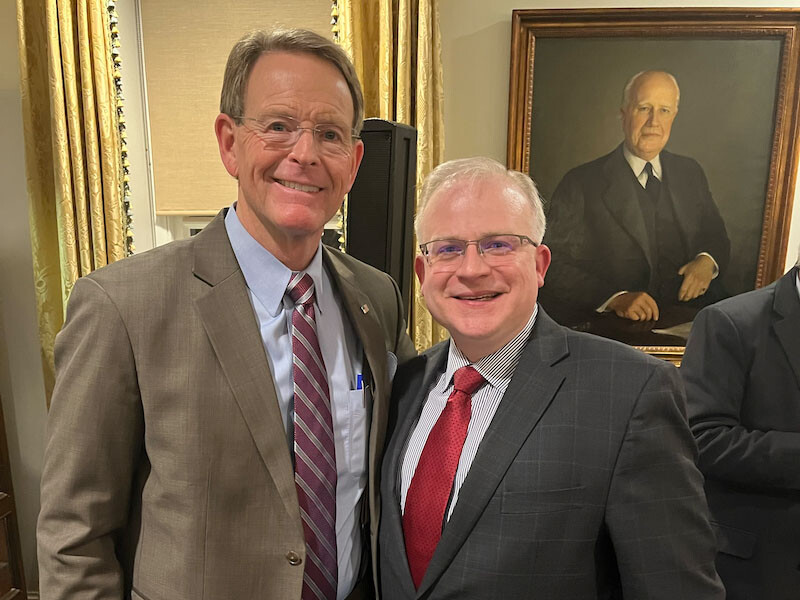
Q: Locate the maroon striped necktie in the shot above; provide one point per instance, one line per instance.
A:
(427, 496)
(315, 454)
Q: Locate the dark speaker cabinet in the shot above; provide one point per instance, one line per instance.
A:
(380, 206)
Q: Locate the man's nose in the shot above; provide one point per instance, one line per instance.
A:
(473, 263)
(305, 149)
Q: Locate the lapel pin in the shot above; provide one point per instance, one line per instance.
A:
(364, 308)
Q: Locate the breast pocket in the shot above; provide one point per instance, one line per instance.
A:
(541, 501)
(359, 431)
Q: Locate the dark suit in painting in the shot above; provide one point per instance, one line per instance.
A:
(742, 374)
(584, 485)
(602, 243)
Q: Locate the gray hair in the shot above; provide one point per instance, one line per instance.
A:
(626, 91)
(475, 168)
(255, 44)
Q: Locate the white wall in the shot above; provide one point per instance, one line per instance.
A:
(476, 54)
(21, 381)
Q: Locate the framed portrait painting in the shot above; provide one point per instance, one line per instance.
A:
(664, 143)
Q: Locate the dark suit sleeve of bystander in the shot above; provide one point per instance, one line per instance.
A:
(715, 369)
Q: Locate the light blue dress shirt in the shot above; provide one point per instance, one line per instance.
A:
(266, 279)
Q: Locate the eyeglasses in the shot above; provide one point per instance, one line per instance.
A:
(495, 250)
(282, 132)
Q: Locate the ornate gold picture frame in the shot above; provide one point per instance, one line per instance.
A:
(739, 119)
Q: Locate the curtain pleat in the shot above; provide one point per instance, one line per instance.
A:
(404, 37)
(73, 151)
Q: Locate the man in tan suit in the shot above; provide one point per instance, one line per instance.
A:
(172, 468)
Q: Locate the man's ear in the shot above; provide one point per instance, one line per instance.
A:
(419, 269)
(224, 129)
(543, 258)
(356, 157)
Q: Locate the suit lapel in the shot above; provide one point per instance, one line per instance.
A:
(622, 200)
(787, 323)
(532, 388)
(365, 323)
(362, 316)
(409, 408)
(683, 197)
(231, 325)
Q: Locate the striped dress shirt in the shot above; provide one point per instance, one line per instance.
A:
(497, 369)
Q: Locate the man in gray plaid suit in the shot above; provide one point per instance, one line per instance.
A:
(527, 460)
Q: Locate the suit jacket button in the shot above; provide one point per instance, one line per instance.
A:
(293, 558)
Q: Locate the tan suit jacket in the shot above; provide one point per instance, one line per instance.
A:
(167, 474)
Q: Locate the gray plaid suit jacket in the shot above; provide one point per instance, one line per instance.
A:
(584, 486)
(167, 474)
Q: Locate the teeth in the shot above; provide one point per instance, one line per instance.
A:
(478, 297)
(298, 186)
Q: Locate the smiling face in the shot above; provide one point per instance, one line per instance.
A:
(287, 195)
(482, 307)
(647, 118)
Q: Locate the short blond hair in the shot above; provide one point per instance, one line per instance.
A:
(255, 44)
(472, 169)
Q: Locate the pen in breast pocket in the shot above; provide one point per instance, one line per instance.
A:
(360, 386)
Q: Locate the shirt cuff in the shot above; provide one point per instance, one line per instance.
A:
(604, 306)
(716, 266)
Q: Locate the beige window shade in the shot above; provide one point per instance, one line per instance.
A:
(185, 49)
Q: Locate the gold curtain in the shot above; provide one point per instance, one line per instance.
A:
(72, 151)
(396, 49)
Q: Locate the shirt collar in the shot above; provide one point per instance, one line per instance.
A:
(497, 367)
(637, 164)
(265, 275)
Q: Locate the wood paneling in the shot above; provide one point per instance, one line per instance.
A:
(12, 578)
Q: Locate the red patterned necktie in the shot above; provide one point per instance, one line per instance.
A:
(315, 454)
(430, 487)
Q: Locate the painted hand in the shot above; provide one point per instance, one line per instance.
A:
(636, 306)
(697, 276)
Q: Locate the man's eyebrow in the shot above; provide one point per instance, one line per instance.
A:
(330, 119)
(275, 114)
(320, 119)
(293, 110)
